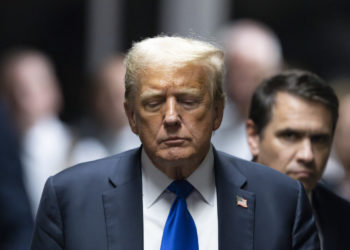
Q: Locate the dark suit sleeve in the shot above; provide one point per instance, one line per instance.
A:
(304, 231)
(16, 222)
(48, 231)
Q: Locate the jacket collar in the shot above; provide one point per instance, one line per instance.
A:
(236, 206)
(124, 213)
(123, 204)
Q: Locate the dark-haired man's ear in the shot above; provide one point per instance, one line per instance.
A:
(253, 138)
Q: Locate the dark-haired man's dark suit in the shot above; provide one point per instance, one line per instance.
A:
(333, 215)
(98, 205)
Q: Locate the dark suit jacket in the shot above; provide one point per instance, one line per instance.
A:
(98, 205)
(16, 222)
(333, 214)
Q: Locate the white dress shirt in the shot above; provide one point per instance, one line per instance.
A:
(201, 203)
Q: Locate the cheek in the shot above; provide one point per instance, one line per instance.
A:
(148, 125)
(268, 149)
(275, 157)
(321, 160)
(284, 160)
(200, 125)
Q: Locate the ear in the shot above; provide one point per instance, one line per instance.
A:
(130, 113)
(253, 138)
(218, 114)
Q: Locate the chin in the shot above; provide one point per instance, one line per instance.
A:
(175, 154)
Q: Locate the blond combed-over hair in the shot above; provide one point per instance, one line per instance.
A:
(174, 52)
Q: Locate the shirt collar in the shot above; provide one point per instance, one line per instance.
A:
(155, 182)
(309, 196)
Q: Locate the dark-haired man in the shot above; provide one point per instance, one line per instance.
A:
(290, 128)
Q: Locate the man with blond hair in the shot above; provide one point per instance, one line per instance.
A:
(175, 191)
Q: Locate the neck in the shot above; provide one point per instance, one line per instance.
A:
(178, 173)
(179, 169)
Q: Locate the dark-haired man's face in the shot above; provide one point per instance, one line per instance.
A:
(296, 141)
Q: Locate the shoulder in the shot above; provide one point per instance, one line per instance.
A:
(253, 171)
(98, 171)
(322, 196)
(276, 196)
(265, 182)
(333, 215)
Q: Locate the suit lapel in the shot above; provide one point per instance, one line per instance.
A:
(236, 221)
(324, 224)
(124, 214)
(123, 206)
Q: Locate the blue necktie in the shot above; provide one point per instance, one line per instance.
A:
(180, 232)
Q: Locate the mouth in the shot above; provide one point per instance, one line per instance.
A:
(302, 174)
(174, 141)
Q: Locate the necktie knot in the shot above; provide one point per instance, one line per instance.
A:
(181, 188)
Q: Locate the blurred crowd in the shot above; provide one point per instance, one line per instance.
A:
(36, 143)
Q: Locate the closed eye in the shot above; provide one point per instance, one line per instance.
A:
(189, 102)
(152, 105)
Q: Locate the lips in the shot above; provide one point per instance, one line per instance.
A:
(302, 174)
(174, 141)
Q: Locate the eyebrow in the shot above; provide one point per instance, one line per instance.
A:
(190, 91)
(154, 93)
(150, 93)
(301, 132)
(290, 130)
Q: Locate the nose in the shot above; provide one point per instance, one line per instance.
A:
(305, 152)
(171, 116)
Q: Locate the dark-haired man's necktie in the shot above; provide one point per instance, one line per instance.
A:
(180, 232)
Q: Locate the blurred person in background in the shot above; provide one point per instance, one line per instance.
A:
(16, 222)
(342, 144)
(253, 52)
(30, 89)
(334, 174)
(106, 131)
(292, 120)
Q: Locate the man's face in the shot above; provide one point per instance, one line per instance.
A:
(174, 115)
(296, 141)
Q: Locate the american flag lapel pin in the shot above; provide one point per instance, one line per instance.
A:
(240, 201)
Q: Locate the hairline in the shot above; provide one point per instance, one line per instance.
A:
(210, 58)
(290, 88)
(273, 106)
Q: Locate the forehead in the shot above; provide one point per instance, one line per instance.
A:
(166, 77)
(290, 111)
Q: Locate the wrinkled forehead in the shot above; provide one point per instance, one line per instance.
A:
(191, 76)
